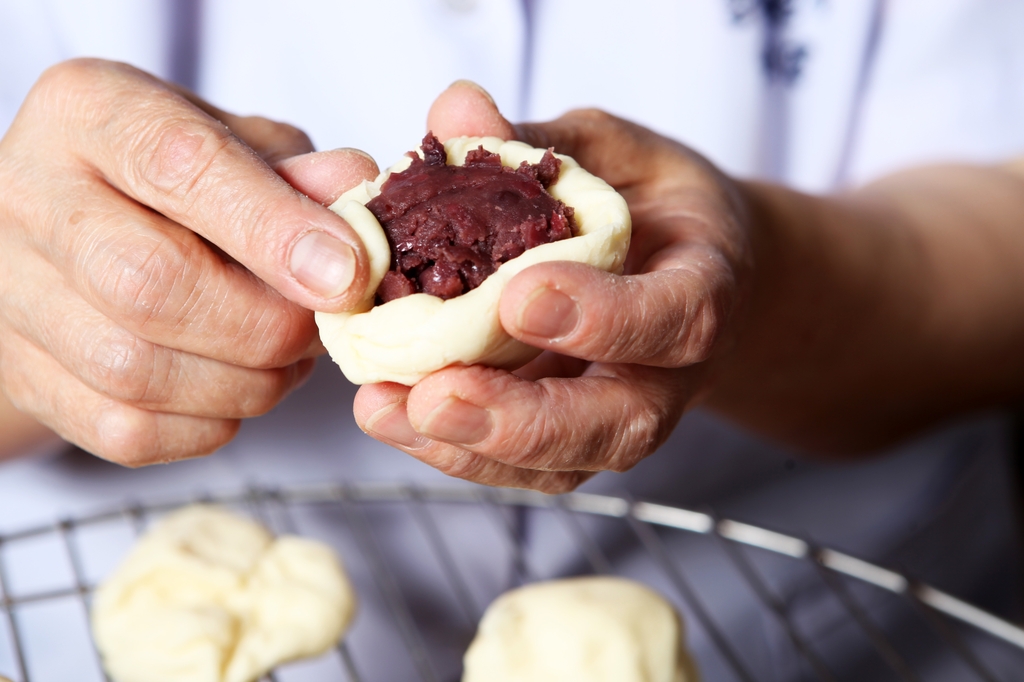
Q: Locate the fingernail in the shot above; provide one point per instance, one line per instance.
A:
(473, 86)
(456, 421)
(356, 152)
(391, 424)
(548, 314)
(323, 264)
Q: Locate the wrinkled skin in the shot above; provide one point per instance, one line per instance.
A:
(161, 258)
(628, 354)
(157, 269)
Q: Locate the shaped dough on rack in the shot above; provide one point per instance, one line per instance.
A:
(406, 339)
(593, 629)
(209, 596)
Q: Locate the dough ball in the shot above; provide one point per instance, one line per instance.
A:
(209, 596)
(595, 629)
(408, 338)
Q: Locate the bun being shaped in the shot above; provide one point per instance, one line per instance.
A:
(407, 338)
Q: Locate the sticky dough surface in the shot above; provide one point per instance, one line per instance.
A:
(209, 596)
(594, 629)
(408, 338)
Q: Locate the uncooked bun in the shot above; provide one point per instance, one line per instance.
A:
(596, 629)
(208, 596)
(408, 338)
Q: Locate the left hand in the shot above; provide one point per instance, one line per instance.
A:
(627, 355)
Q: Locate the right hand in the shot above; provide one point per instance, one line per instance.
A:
(157, 270)
(628, 354)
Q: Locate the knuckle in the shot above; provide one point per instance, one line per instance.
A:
(591, 115)
(640, 435)
(133, 438)
(537, 437)
(83, 86)
(532, 441)
(660, 322)
(146, 281)
(125, 367)
(579, 125)
(658, 418)
(57, 92)
(127, 437)
(66, 77)
(610, 331)
(592, 122)
(174, 155)
(270, 387)
(272, 338)
(705, 317)
(700, 335)
(463, 465)
(637, 444)
(619, 334)
(547, 442)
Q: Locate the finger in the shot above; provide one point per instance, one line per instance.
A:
(468, 466)
(164, 152)
(273, 141)
(608, 419)
(549, 364)
(645, 166)
(671, 317)
(162, 282)
(322, 176)
(118, 364)
(38, 385)
(617, 150)
(666, 327)
(466, 109)
(380, 410)
(325, 176)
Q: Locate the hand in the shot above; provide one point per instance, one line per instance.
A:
(627, 354)
(155, 272)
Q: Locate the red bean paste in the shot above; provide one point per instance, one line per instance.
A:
(450, 227)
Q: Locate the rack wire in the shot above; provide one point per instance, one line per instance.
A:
(406, 548)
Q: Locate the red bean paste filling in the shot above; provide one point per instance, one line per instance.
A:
(450, 227)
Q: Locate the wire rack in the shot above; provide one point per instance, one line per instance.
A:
(423, 560)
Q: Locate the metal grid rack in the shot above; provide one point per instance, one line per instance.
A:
(424, 627)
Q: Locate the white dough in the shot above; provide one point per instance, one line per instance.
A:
(209, 596)
(595, 629)
(408, 338)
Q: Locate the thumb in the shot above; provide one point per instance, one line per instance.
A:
(465, 108)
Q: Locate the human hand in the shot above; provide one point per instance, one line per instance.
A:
(626, 354)
(156, 273)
